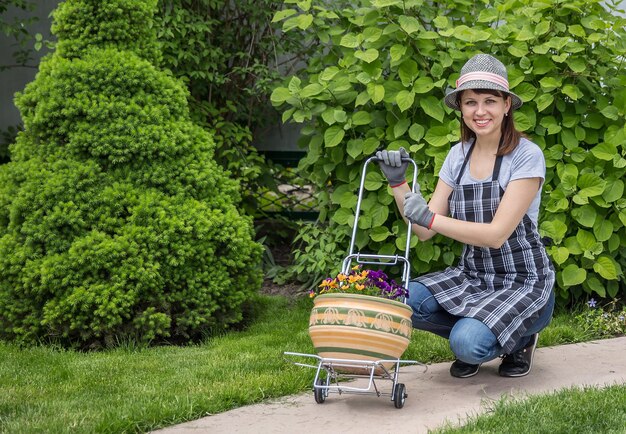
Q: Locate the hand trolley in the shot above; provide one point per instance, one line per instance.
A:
(332, 372)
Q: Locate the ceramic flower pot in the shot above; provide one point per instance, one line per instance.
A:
(359, 327)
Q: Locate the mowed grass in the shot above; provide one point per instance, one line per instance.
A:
(569, 411)
(43, 389)
(46, 389)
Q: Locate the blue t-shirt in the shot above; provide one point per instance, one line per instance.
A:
(526, 161)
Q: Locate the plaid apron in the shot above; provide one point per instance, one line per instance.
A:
(505, 288)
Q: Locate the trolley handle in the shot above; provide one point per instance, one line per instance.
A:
(351, 254)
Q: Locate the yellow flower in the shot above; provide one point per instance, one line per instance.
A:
(360, 287)
(354, 278)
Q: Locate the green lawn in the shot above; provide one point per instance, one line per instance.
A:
(570, 411)
(136, 390)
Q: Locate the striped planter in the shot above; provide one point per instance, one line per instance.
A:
(359, 327)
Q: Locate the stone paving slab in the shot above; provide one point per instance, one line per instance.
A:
(433, 397)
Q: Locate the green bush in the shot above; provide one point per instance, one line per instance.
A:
(115, 221)
(378, 80)
(229, 56)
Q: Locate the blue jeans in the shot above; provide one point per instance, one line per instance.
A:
(471, 341)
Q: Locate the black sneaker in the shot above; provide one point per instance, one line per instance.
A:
(519, 363)
(461, 369)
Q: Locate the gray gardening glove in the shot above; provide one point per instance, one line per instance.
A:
(392, 166)
(416, 210)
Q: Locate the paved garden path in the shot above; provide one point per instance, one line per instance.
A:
(434, 396)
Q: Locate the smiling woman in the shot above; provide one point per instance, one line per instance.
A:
(499, 296)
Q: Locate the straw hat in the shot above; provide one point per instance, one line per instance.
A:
(482, 72)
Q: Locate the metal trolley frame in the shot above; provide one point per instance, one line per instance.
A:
(331, 372)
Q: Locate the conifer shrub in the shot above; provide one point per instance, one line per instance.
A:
(115, 220)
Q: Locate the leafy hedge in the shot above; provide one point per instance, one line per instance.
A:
(378, 80)
(230, 57)
(115, 221)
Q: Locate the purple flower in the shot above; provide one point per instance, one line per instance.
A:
(591, 303)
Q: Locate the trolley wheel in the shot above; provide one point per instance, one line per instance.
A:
(320, 394)
(399, 395)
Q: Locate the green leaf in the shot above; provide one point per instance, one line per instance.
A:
(379, 215)
(423, 85)
(432, 107)
(550, 124)
(605, 267)
(441, 22)
(349, 40)
(386, 3)
(380, 233)
(550, 83)
(568, 138)
(405, 100)
(416, 132)
(407, 72)
(396, 52)
(373, 181)
(525, 91)
(437, 136)
(542, 27)
(576, 64)
(488, 15)
(355, 148)
(294, 84)
(344, 196)
(280, 95)
(370, 145)
(333, 136)
(585, 215)
(559, 254)
(329, 73)
(585, 239)
(614, 191)
(343, 216)
(467, 34)
(400, 127)
(368, 55)
(603, 230)
(301, 21)
(425, 253)
(522, 122)
(594, 284)
(376, 92)
(518, 49)
(328, 116)
(305, 5)
(544, 101)
(340, 115)
(554, 229)
(572, 91)
(610, 112)
(572, 275)
(590, 185)
(311, 90)
(568, 173)
(281, 15)
(361, 118)
(362, 98)
(409, 24)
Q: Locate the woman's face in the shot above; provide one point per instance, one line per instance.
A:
(483, 113)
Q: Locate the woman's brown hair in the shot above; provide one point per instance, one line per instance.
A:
(510, 135)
